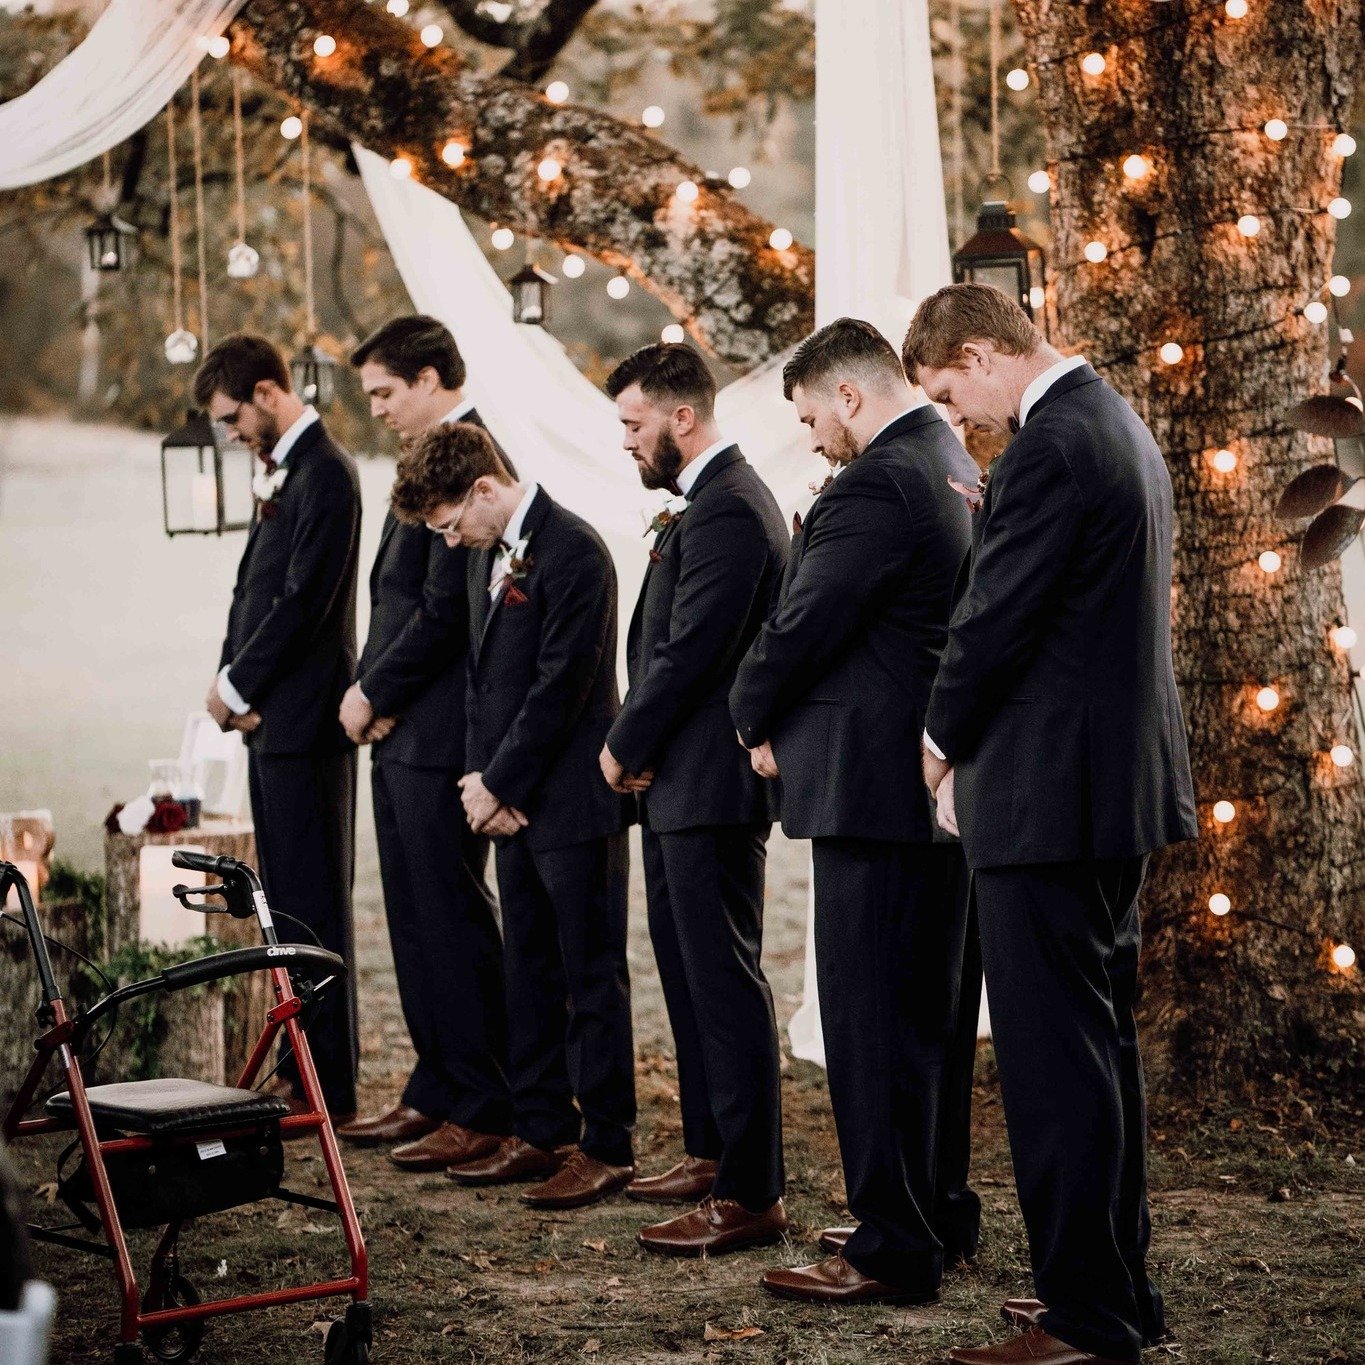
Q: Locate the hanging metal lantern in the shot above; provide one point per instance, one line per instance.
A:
(205, 482)
(999, 254)
(314, 374)
(530, 288)
(109, 241)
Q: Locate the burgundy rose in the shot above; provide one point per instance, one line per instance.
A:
(169, 817)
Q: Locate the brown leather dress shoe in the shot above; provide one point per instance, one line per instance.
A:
(834, 1240)
(511, 1162)
(448, 1145)
(686, 1183)
(1023, 1313)
(580, 1181)
(402, 1123)
(1034, 1347)
(713, 1227)
(836, 1281)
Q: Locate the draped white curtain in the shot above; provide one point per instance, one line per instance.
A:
(137, 54)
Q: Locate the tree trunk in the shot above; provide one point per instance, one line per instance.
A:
(1252, 994)
(708, 260)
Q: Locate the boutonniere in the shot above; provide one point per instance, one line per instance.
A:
(973, 496)
(514, 563)
(667, 515)
(266, 484)
(818, 488)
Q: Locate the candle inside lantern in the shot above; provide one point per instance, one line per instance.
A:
(204, 501)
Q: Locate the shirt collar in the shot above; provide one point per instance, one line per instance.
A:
(914, 407)
(459, 412)
(689, 475)
(290, 438)
(518, 519)
(1044, 382)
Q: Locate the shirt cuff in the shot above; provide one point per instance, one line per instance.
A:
(933, 748)
(236, 703)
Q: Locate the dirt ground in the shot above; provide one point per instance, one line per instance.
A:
(1259, 1239)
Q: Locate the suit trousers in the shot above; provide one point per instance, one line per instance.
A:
(891, 936)
(705, 894)
(568, 994)
(447, 949)
(303, 806)
(1060, 942)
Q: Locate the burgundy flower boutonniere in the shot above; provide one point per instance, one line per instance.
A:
(655, 557)
(972, 496)
(266, 485)
(514, 563)
(818, 488)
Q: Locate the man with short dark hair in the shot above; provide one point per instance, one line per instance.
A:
(541, 697)
(408, 700)
(286, 661)
(831, 696)
(714, 571)
(1054, 738)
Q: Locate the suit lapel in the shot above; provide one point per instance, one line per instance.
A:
(390, 526)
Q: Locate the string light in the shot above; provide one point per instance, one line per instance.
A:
(1343, 755)
(1095, 252)
(1093, 64)
(1237, 9)
(1017, 79)
(398, 8)
(1224, 461)
(739, 177)
(1343, 144)
(1249, 225)
(324, 45)
(1040, 182)
(1315, 311)
(1339, 207)
(1219, 904)
(1276, 129)
(431, 35)
(502, 238)
(1267, 699)
(618, 286)
(453, 153)
(1037, 297)
(1136, 167)
(1171, 353)
(687, 191)
(550, 169)
(219, 47)
(1343, 957)
(573, 266)
(780, 239)
(1339, 286)
(1224, 812)
(673, 333)
(291, 127)
(1270, 561)
(1344, 637)
(400, 168)
(653, 117)
(557, 92)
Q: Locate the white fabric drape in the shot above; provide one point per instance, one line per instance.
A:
(137, 54)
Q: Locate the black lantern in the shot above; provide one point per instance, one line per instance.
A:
(205, 484)
(314, 374)
(1000, 255)
(109, 241)
(530, 288)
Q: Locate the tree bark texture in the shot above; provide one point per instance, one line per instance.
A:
(1254, 993)
(709, 260)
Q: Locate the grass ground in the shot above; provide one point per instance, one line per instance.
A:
(1259, 1239)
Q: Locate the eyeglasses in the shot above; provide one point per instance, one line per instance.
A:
(452, 524)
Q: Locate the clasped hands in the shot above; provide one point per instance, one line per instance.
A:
(225, 717)
(939, 778)
(359, 720)
(618, 779)
(485, 813)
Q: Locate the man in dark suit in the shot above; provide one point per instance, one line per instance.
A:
(1054, 738)
(714, 570)
(287, 659)
(832, 696)
(408, 701)
(541, 696)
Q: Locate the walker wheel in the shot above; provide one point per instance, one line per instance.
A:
(183, 1340)
(344, 1349)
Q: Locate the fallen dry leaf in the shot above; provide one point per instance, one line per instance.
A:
(1251, 1263)
(599, 1247)
(591, 1347)
(714, 1333)
(47, 1193)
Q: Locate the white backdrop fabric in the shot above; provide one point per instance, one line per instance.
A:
(137, 54)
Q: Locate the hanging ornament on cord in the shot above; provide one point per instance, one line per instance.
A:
(312, 370)
(243, 260)
(182, 347)
(200, 229)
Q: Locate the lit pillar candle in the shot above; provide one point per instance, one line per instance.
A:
(204, 501)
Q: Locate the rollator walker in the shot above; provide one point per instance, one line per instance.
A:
(164, 1151)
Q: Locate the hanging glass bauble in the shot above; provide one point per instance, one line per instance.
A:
(243, 261)
(182, 347)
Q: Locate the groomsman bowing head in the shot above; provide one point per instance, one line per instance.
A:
(715, 566)
(413, 374)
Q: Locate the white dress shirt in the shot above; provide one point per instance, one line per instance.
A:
(914, 407)
(510, 537)
(458, 413)
(691, 472)
(234, 700)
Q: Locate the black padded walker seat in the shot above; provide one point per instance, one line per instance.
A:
(170, 1105)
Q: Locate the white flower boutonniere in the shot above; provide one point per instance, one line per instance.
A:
(667, 515)
(513, 562)
(266, 484)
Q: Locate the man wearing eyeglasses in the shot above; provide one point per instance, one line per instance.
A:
(287, 659)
